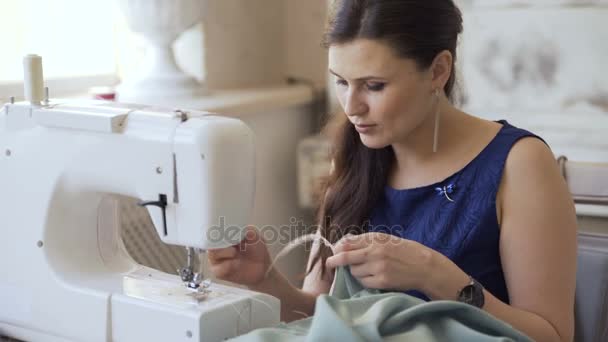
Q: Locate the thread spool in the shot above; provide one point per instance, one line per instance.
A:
(33, 79)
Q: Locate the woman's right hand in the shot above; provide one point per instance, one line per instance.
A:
(245, 263)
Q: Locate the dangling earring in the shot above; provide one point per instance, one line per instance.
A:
(436, 132)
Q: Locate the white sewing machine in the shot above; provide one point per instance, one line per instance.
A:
(64, 273)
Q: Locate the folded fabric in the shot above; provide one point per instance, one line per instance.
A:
(354, 313)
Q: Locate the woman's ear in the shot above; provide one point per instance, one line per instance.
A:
(441, 69)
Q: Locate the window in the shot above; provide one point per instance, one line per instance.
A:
(74, 37)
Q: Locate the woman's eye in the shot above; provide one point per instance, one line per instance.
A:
(341, 82)
(375, 86)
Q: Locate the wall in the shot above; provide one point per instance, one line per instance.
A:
(304, 25)
(261, 42)
(243, 43)
(541, 65)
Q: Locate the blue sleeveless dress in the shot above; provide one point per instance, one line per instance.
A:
(465, 230)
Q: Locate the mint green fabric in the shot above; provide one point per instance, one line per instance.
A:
(354, 313)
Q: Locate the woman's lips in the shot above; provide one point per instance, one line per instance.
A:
(364, 128)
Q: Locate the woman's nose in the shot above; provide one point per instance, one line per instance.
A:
(353, 104)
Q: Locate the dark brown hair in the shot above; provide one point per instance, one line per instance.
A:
(415, 29)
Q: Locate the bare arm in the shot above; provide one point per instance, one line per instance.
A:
(295, 303)
(537, 246)
(538, 243)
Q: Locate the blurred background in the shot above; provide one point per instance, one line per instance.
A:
(540, 64)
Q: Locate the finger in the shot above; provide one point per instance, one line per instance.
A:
(217, 255)
(351, 242)
(252, 236)
(223, 269)
(347, 258)
(372, 282)
(361, 270)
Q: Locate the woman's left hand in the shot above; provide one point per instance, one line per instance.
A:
(385, 261)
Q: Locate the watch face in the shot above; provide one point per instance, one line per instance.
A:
(472, 294)
(467, 294)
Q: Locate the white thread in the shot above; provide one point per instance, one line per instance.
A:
(290, 246)
(33, 79)
(259, 301)
(301, 313)
(293, 244)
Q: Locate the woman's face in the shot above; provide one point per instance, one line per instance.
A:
(386, 97)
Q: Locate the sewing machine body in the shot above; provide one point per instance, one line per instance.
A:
(65, 274)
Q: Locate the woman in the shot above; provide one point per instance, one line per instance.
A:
(424, 198)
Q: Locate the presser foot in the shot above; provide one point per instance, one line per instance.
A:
(199, 286)
(200, 291)
(205, 286)
(190, 279)
(194, 280)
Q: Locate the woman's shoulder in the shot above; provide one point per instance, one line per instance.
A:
(513, 150)
(511, 139)
(528, 153)
(530, 166)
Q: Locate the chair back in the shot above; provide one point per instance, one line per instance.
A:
(588, 184)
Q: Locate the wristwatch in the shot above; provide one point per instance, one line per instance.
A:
(472, 294)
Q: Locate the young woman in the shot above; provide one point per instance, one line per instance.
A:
(436, 202)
